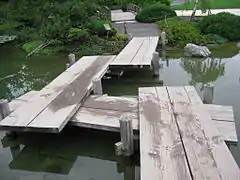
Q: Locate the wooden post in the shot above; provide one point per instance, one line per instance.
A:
(155, 63)
(97, 86)
(4, 108)
(208, 93)
(125, 28)
(163, 38)
(160, 71)
(67, 65)
(71, 59)
(126, 146)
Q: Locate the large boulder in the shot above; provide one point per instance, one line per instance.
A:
(194, 50)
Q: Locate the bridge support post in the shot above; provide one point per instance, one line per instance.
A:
(4, 112)
(155, 63)
(208, 93)
(71, 59)
(4, 109)
(97, 86)
(126, 146)
(160, 76)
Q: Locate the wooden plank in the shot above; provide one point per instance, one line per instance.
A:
(112, 103)
(220, 112)
(27, 96)
(122, 16)
(148, 57)
(130, 104)
(142, 52)
(129, 52)
(227, 130)
(207, 153)
(20, 119)
(101, 119)
(61, 109)
(161, 151)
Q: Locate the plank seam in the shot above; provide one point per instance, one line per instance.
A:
(181, 138)
(137, 52)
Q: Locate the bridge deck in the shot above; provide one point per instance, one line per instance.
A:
(138, 52)
(57, 102)
(178, 139)
(103, 112)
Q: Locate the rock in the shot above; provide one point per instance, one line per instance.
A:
(194, 50)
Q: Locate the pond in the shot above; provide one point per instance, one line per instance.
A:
(77, 153)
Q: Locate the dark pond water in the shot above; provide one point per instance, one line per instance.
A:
(78, 153)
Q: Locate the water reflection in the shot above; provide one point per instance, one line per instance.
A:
(74, 153)
(203, 71)
(19, 74)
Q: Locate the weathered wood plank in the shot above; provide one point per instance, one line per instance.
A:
(122, 16)
(220, 112)
(61, 109)
(102, 119)
(20, 119)
(142, 52)
(161, 151)
(112, 103)
(207, 153)
(148, 57)
(227, 130)
(129, 52)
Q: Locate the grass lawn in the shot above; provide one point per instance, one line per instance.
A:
(213, 4)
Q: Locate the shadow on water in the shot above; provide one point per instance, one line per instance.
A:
(74, 153)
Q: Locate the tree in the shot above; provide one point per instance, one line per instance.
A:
(203, 5)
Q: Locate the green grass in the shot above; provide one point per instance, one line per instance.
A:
(213, 4)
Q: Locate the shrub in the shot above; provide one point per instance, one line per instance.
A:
(30, 46)
(216, 39)
(76, 34)
(97, 27)
(121, 37)
(224, 24)
(155, 13)
(181, 33)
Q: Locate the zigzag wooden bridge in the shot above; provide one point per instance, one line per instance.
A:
(180, 137)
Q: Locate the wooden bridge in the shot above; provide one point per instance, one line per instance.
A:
(180, 137)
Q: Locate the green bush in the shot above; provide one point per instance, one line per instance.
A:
(97, 27)
(180, 32)
(121, 37)
(155, 12)
(224, 24)
(77, 34)
(216, 39)
(30, 46)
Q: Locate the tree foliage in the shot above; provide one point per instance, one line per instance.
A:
(223, 24)
(155, 13)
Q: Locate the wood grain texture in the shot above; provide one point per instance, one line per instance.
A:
(138, 52)
(227, 130)
(152, 48)
(62, 108)
(223, 159)
(161, 151)
(207, 153)
(129, 52)
(120, 103)
(220, 112)
(102, 119)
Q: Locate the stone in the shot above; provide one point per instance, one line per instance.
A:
(194, 50)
